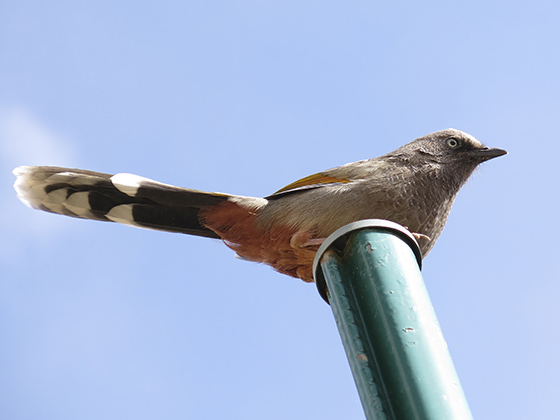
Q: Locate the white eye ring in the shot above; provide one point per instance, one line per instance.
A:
(452, 142)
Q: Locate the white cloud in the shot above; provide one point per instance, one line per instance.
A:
(26, 140)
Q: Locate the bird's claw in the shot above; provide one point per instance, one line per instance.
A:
(419, 236)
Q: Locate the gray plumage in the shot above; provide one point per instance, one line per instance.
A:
(414, 186)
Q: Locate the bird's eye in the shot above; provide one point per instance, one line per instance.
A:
(452, 142)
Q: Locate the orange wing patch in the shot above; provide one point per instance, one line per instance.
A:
(316, 179)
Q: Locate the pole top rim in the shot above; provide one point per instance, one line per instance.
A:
(342, 233)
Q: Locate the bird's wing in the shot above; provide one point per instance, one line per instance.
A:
(309, 182)
(340, 175)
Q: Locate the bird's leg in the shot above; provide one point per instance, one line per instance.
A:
(304, 238)
(314, 242)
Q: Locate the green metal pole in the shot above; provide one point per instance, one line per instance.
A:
(369, 272)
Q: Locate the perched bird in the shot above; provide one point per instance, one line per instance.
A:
(414, 186)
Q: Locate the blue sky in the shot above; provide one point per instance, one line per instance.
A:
(104, 321)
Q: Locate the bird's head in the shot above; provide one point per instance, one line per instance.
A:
(451, 148)
(448, 155)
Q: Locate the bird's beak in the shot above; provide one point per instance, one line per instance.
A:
(488, 153)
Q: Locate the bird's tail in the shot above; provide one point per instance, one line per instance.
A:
(122, 198)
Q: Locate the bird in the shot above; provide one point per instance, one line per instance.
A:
(414, 185)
